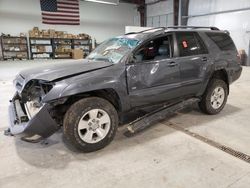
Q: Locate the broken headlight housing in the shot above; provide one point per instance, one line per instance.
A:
(32, 96)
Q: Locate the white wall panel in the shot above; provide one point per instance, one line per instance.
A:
(237, 23)
(99, 20)
(208, 6)
(159, 14)
(163, 20)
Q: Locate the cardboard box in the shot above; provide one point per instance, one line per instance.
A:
(22, 35)
(59, 49)
(35, 28)
(41, 49)
(67, 50)
(31, 33)
(52, 33)
(77, 54)
(45, 33)
(59, 33)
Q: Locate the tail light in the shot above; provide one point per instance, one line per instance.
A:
(239, 58)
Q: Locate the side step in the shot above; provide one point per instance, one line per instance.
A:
(145, 121)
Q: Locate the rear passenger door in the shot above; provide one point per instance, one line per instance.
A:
(193, 59)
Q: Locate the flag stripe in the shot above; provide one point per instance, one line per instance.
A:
(61, 19)
(60, 15)
(62, 12)
(67, 3)
(58, 22)
(67, 11)
(68, 7)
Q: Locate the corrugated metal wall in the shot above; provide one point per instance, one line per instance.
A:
(159, 14)
(231, 15)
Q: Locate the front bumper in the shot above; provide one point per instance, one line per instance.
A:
(41, 124)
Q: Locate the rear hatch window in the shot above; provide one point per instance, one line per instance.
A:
(222, 40)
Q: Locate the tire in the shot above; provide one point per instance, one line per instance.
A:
(212, 101)
(90, 124)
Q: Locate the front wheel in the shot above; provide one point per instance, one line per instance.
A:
(215, 97)
(90, 124)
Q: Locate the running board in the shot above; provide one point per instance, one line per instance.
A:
(147, 120)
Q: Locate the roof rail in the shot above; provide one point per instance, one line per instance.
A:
(192, 27)
(153, 28)
(174, 27)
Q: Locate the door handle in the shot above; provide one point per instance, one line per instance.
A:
(204, 59)
(172, 64)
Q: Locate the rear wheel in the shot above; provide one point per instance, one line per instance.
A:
(215, 97)
(90, 124)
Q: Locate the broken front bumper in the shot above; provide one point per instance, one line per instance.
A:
(41, 124)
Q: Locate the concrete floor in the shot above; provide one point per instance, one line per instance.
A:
(159, 157)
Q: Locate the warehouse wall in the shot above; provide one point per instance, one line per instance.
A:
(98, 20)
(160, 13)
(238, 23)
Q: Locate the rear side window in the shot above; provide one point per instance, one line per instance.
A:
(190, 43)
(222, 40)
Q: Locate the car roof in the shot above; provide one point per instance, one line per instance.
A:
(141, 35)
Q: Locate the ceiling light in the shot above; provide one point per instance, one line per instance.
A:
(114, 2)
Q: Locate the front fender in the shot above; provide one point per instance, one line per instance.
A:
(89, 82)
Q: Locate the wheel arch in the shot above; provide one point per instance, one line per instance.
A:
(222, 75)
(109, 94)
(219, 74)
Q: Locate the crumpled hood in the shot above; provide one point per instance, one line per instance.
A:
(57, 71)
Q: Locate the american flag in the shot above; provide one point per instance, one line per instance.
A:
(61, 12)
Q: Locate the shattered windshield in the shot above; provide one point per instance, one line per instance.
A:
(113, 49)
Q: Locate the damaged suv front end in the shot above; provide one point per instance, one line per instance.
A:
(29, 115)
(35, 112)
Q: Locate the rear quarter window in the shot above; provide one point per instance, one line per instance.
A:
(222, 40)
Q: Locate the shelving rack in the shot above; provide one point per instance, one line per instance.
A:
(41, 48)
(13, 47)
(84, 44)
(57, 48)
(62, 48)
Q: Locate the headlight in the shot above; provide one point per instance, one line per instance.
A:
(18, 82)
(32, 108)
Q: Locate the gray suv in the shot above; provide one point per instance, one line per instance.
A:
(91, 97)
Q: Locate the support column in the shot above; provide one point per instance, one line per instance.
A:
(142, 10)
(180, 10)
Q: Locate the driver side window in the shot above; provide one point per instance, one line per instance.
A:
(156, 49)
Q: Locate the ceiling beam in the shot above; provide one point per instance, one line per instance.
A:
(137, 2)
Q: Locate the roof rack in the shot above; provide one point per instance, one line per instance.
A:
(192, 27)
(153, 28)
(174, 27)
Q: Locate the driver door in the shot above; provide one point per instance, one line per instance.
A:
(153, 75)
